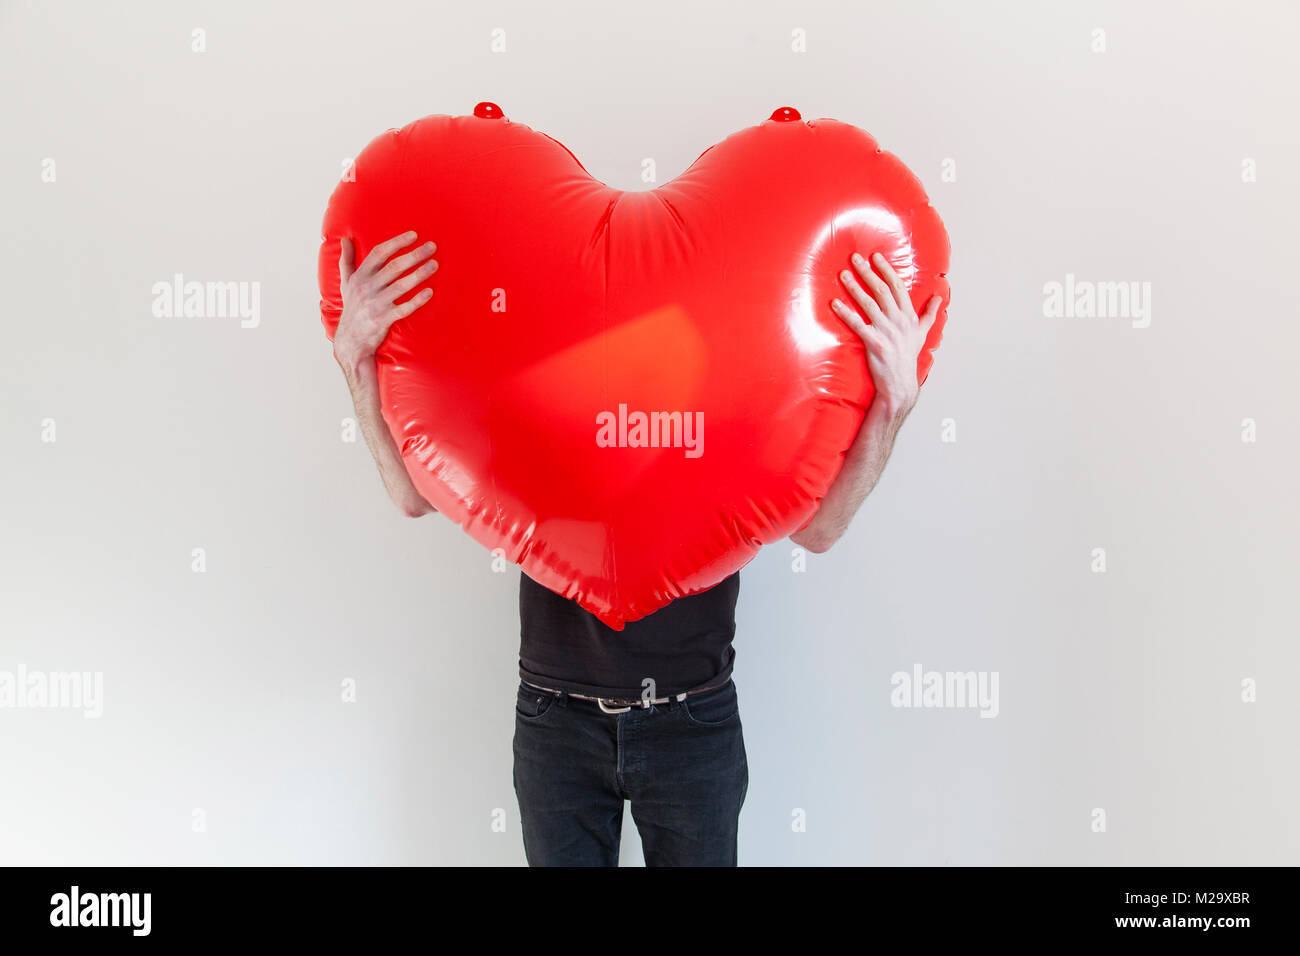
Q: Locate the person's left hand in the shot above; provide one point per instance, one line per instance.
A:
(890, 329)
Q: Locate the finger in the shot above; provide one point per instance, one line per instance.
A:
(853, 319)
(347, 256)
(406, 308)
(930, 314)
(895, 284)
(865, 302)
(403, 264)
(384, 251)
(411, 280)
(874, 283)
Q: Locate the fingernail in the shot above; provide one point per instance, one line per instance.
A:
(846, 274)
(857, 258)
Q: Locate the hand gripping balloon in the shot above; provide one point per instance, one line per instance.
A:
(629, 393)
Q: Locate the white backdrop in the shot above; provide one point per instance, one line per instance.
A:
(1098, 510)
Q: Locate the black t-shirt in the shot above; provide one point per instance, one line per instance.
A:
(682, 646)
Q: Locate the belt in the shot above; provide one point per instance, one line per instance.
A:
(621, 705)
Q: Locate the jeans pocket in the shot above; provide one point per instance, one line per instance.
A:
(713, 708)
(533, 704)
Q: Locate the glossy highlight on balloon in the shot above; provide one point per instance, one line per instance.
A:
(629, 393)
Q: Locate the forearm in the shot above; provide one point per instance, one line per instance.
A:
(863, 464)
(363, 382)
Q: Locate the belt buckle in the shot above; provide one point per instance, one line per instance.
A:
(643, 704)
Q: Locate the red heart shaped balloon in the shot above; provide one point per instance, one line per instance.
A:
(629, 393)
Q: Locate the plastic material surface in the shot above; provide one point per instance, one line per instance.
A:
(629, 393)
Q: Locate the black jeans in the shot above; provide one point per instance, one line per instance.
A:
(682, 765)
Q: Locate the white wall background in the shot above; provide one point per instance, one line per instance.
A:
(1119, 690)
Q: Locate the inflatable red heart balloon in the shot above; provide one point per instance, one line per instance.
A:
(629, 393)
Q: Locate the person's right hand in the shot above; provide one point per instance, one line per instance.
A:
(371, 290)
